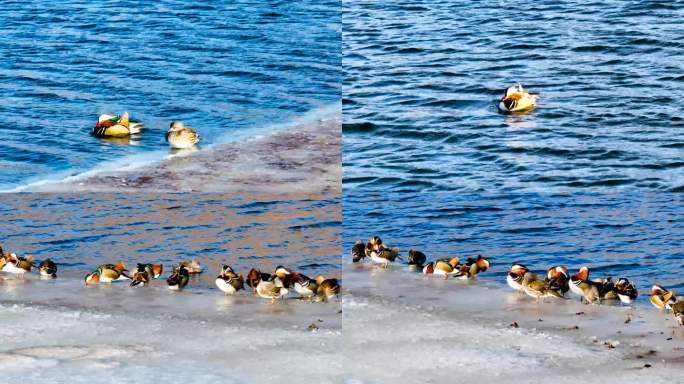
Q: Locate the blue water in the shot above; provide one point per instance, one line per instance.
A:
(422, 78)
(81, 231)
(638, 236)
(222, 67)
(591, 176)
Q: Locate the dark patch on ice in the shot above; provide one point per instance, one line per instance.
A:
(304, 158)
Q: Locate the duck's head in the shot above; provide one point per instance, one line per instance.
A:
(482, 263)
(622, 284)
(658, 290)
(48, 265)
(281, 271)
(226, 269)
(375, 243)
(519, 269)
(556, 272)
(104, 117)
(253, 278)
(513, 89)
(176, 126)
(416, 257)
(92, 277)
(582, 274)
(157, 270)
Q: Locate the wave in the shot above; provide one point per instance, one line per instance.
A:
(358, 127)
(605, 111)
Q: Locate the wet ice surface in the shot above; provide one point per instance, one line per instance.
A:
(59, 331)
(421, 329)
(302, 156)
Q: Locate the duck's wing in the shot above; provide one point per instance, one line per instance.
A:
(333, 285)
(237, 282)
(473, 270)
(389, 254)
(276, 290)
(190, 135)
(124, 120)
(184, 280)
(110, 273)
(553, 293)
(115, 130)
(444, 266)
(269, 289)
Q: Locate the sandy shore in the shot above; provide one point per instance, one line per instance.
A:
(408, 327)
(303, 157)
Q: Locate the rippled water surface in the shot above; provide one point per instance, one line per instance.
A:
(638, 236)
(82, 231)
(422, 79)
(222, 67)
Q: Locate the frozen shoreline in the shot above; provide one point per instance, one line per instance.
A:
(302, 156)
(421, 329)
(62, 332)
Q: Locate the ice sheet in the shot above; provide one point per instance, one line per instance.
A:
(412, 328)
(63, 332)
